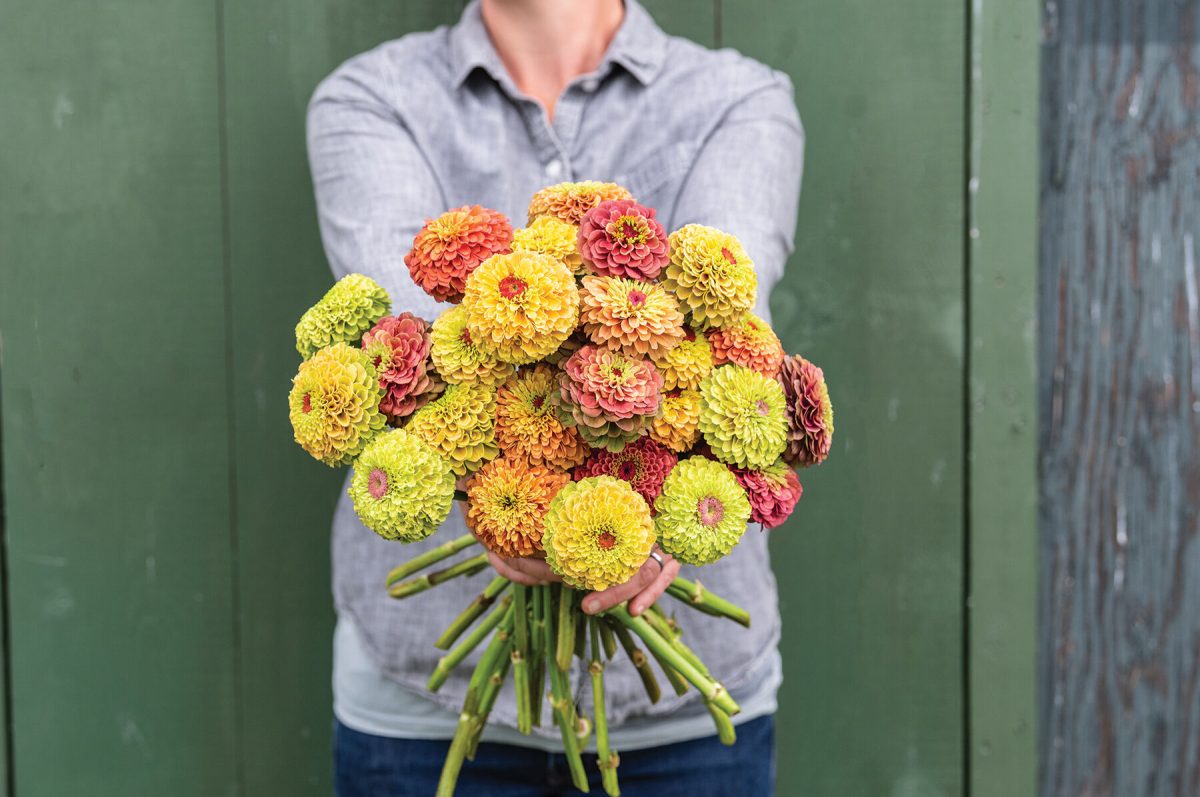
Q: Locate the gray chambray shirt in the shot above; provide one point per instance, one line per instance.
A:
(432, 121)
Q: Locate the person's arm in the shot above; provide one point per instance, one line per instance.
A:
(373, 186)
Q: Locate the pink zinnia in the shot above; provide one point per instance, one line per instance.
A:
(610, 396)
(397, 348)
(644, 464)
(809, 411)
(773, 492)
(620, 238)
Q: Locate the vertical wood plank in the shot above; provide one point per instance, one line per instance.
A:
(870, 568)
(115, 415)
(275, 54)
(692, 20)
(1002, 465)
(1120, 400)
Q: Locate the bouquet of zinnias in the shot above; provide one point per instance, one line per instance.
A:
(600, 386)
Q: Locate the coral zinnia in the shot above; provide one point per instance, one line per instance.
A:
(610, 396)
(334, 404)
(345, 312)
(743, 417)
(684, 365)
(459, 426)
(506, 503)
(639, 317)
(397, 347)
(521, 306)
(749, 342)
(569, 201)
(809, 412)
(456, 355)
(711, 275)
(552, 236)
(450, 247)
(702, 512)
(598, 533)
(773, 492)
(621, 238)
(678, 423)
(643, 463)
(528, 427)
(402, 490)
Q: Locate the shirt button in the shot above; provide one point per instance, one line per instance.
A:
(590, 85)
(554, 169)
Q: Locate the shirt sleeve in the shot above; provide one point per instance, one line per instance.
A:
(745, 179)
(374, 188)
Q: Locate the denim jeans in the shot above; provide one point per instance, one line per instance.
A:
(377, 766)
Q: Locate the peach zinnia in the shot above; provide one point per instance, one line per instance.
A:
(750, 343)
(506, 505)
(397, 347)
(569, 201)
(450, 247)
(527, 425)
(610, 396)
(639, 317)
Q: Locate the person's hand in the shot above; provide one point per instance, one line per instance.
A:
(646, 586)
(527, 571)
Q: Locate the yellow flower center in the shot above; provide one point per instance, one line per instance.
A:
(629, 230)
(447, 226)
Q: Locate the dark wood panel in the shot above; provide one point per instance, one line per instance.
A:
(1120, 400)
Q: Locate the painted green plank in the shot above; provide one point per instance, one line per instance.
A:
(275, 53)
(115, 416)
(870, 568)
(692, 20)
(1002, 491)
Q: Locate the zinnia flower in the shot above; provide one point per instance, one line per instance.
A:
(450, 247)
(678, 423)
(402, 490)
(809, 412)
(528, 427)
(521, 306)
(743, 417)
(750, 343)
(598, 532)
(684, 365)
(552, 236)
(397, 347)
(610, 396)
(773, 492)
(345, 312)
(711, 275)
(456, 355)
(334, 404)
(621, 238)
(702, 512)
(639, 317)
(569, 201)
(644, 464)
(459, 426)
(506, 504)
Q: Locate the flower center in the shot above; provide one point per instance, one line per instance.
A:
(606, 540)
(629, 230)
(447, 227)
(307, 405)
(377, 483)
(763, 408)
(710, 510)
(378, 359)
(637, 298)
(465, 337)
(627, 470)
(512, 286)
(538, 401)
(729, 258)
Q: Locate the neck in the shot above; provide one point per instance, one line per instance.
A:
(545, 44)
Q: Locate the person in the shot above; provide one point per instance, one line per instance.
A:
(520, 94)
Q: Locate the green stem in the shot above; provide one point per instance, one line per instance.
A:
(430, 557)
(520, 654)
(538, 654)
(640, 662)
(467, 567)
(671, 633)
(725, 731)
(567, 618)
(491, 689)
(470, 614)
(607, 759)
(696, 596)
(712, 690)
(451, 660)
(608, 641)
(564, 706)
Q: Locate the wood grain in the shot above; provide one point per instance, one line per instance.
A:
(1120, 400)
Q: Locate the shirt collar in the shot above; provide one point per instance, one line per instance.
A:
(639, 46)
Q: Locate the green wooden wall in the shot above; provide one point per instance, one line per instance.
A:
(168, 617)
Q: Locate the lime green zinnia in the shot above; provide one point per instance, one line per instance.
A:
(459, 426)
(345, 312)
(743, 416)
(334, 404)
(702, 511)
(402, 490)
(597, 532)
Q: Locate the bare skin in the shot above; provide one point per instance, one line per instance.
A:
(544, 45)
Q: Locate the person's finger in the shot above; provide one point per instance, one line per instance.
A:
(606, 599)
(536, 568)
(504, 567)
(650, 594)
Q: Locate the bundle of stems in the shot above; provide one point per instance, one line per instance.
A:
(533, 632)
